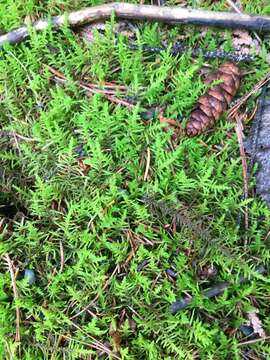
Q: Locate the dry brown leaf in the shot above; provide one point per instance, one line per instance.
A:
(115, 335)
(245, 43)
(256, 323)
(242, 37)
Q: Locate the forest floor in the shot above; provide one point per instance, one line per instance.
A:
(105, 219)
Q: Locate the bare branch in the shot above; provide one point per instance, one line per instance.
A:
(172, 15)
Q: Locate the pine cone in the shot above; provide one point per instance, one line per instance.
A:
(217, 99)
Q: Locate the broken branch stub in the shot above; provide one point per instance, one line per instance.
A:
(172, 15)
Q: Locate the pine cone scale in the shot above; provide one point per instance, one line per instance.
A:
(216, 100)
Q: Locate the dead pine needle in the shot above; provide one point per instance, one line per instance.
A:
(62, 258)
(147, 164)
(109, 94)
(240, 137)
(234, 109)
(16, 296)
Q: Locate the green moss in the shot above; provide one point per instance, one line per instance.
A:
(94, 215)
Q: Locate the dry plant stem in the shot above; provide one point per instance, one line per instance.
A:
(253, 341)
(240, 137)
(16, 296)
(147, 164)
(96, 344)
(60, 78)
(62, 262)
(173, 15)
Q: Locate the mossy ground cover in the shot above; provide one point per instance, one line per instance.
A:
(97, 234)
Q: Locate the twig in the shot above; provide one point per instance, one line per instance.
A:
(119, 101)
(253, 341)
(16, 296)
(147, 164)
(13, 134)
(233, 6)
(240, 136)
(214, 291)
(172, 15)
(179, 48)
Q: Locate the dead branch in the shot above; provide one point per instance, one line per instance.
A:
(240, 138)
(172, 15)
(216, 290)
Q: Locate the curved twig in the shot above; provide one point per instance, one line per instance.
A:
(173, 15)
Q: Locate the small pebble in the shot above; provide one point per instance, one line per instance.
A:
(30, 276)
(142, 265)
(149, 114)
(171, 273)
(246, 330)
(79, 150)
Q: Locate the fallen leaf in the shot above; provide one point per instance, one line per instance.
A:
(244, 42)
(241, 37)
(256, 323)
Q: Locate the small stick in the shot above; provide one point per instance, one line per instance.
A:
(13, 134)
(233, 6)
(240, 136)
(253, 341)
(218, 289)
(179, 48)
(166, 14)
(147, 164)
(16, 296)
(119, 101)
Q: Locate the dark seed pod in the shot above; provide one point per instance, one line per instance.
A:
(211, 105)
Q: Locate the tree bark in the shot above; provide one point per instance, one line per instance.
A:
(172, 15)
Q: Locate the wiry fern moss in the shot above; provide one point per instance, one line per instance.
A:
(184, 216)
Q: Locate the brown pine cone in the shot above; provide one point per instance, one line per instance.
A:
(216, 100)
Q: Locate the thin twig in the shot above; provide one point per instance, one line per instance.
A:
(240, 136)
(13, 134)
(16, 296)
(253, 341)
(119, 101)
(233, 6)
(234, 109)
(180, 48)
(147, 164)
(217, 289)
